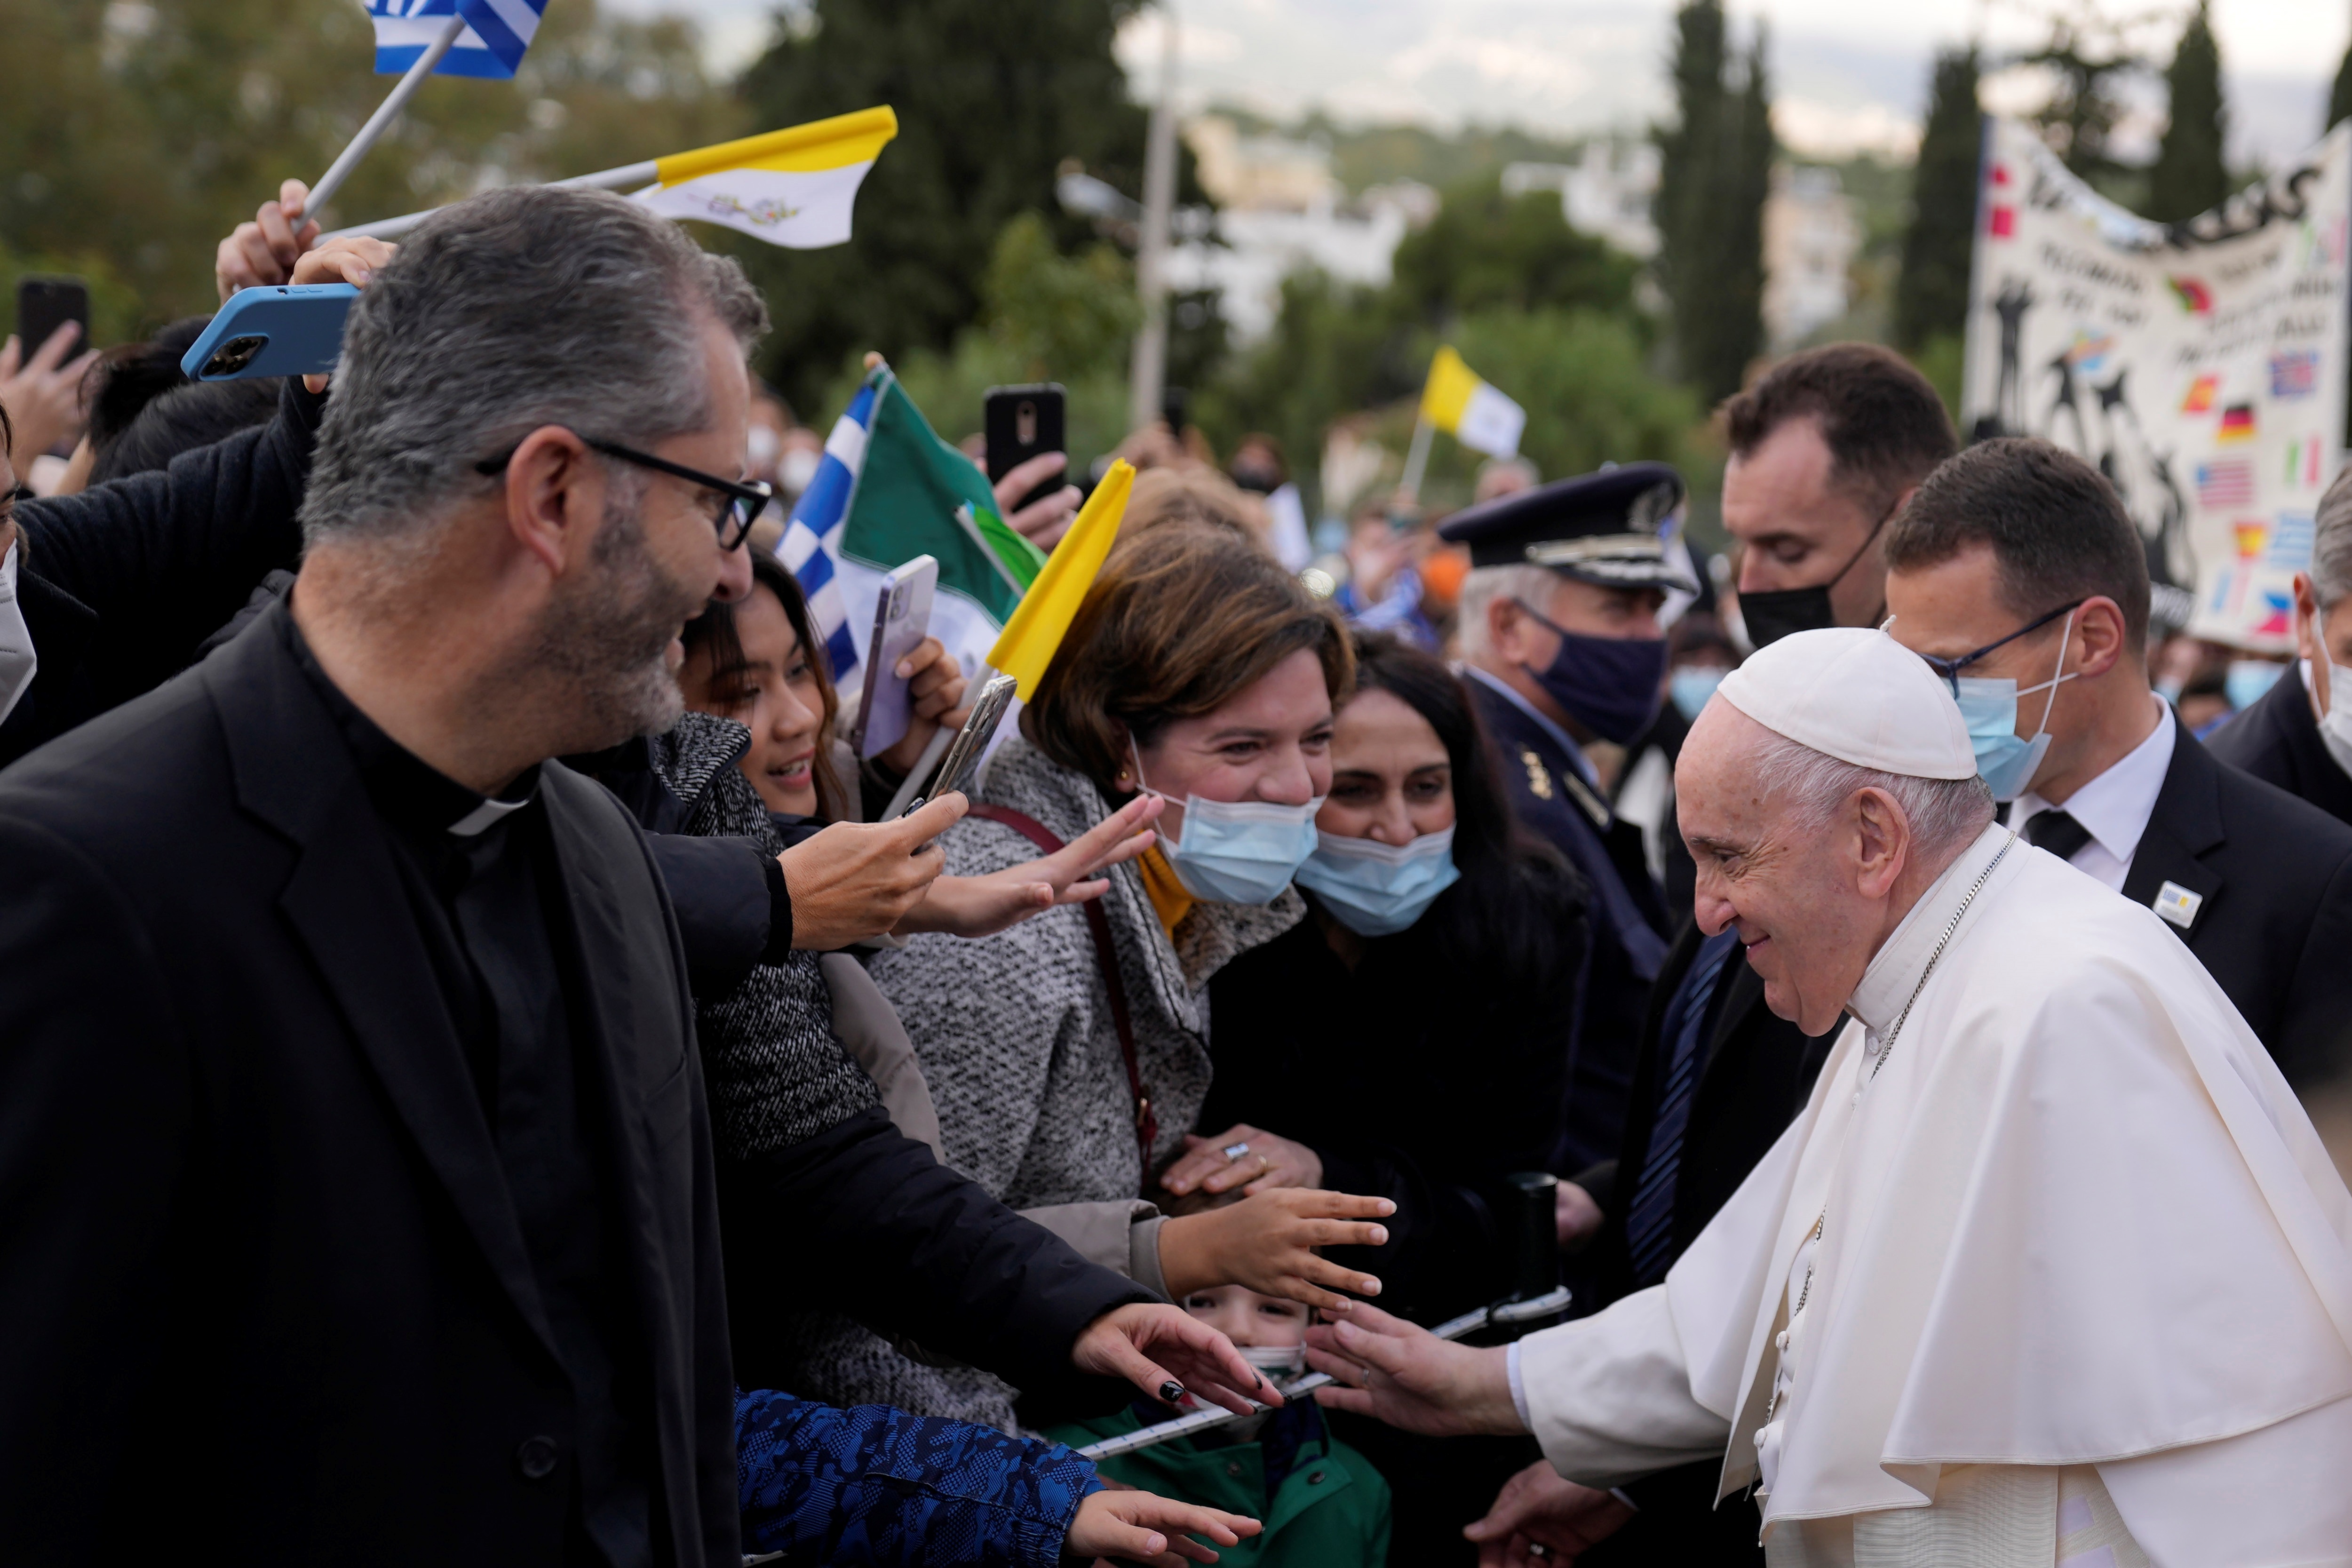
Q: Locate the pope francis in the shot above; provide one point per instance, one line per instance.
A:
(2051, 1269)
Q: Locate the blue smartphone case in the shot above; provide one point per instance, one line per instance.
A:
(282, 329)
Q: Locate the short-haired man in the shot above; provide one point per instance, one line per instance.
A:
(2017, 572)
(2299, 735)
(1825, 448)
(352, 1111)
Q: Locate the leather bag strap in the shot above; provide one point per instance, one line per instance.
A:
(1147, 1119)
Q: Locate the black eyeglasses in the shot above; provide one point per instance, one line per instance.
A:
(1950, 668)
(745, 499)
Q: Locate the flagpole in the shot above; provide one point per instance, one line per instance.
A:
(1416, 459)
(622, 178)
(385, 113)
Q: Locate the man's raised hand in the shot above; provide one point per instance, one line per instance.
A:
(1401, 1374)
(857, 880)
(1539, 1509)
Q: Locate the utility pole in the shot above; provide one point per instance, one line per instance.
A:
(1149, 370)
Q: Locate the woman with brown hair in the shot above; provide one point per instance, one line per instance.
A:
(1068, 1057)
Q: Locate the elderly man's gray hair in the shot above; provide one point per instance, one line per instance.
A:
(2331, 542)
(1530, 586)
(1943, 814)
(517, 309)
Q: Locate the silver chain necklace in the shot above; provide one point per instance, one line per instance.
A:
(1805, 1292)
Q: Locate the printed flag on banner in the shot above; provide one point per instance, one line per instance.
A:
(2201, 365)
(793, 187)
(1456, 401)
(886, 490)
(497, 33)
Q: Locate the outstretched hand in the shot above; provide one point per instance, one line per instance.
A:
(1401, 1374)
(1043, 520)
(42, 392)
(982, 906)
(1267, 1243)
(1140, 1527)
(1168, 1353)
(1539, 1508)
(857, 880)
(265, 250)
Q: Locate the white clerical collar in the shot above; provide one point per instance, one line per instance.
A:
(1502, 688)
(1894, 973)
(2113, 807)
(486, 814)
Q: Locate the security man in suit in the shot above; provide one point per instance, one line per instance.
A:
(2017, 572)
(2299, 735)
(1561, 647)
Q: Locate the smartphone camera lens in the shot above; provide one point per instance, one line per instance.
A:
(234, 356)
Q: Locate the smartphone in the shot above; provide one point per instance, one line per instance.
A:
(275, 330)
(1021, 422)
(902, 619)
(970, 740)
(44, 303)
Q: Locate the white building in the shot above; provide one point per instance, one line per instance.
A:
(1810, 238)
(1606, 193)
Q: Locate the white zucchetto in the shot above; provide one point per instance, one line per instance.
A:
(1859, 696)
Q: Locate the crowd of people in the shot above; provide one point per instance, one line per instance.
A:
(476, 1046)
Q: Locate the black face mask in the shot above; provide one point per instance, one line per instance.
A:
(1771, 615)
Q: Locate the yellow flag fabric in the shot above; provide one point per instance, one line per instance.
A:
(1458, 403)
(1448, 390)
(793, 187)
(1030, 639)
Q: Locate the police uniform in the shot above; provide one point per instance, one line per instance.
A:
(1608, 529)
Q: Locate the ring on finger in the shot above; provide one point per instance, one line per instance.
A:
(1236, 1151)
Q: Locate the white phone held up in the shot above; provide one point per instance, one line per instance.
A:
(902, 619)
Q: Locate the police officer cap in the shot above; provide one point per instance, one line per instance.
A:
(1608, 528)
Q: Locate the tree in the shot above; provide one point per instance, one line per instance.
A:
(991, 95)
(1931, 294)
(1715, 175)
(2190, 177)
(1484, 248)
(2340, 96)
(2088, 57)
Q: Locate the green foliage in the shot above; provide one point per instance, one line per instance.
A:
(136, 135)
(1941, 360)
(1059, 317)
(1931, 296)
(1485, 249)
(2340, 93)
(991, 95)
(1363, 156)
(1335, 348)
(2189, 177)
(2087, 58)
(1715, 175)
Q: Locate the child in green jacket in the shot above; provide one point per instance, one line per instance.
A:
(1323, 1504)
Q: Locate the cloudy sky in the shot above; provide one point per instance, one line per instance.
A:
(1847, 73)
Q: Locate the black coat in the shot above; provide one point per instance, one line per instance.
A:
(2277, 740)
(2273, 876)
(1627, 914)
(122, 583)
(1415, 1078)
(250, 1188)
(1758, 1071)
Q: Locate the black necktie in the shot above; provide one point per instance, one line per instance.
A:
(2055, 831)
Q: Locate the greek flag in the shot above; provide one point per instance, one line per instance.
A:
(497, 33)
(811, 548)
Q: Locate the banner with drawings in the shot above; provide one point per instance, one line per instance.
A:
(2201, 365)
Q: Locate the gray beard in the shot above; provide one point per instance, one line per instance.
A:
(604, 645)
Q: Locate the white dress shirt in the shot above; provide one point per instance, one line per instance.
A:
(2114, 808)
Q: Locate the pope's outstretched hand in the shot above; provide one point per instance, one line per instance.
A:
(1401, 1374)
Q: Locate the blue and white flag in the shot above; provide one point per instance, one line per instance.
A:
(811, 548)
(497, 33)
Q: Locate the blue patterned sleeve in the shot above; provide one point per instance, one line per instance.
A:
(871, 1487)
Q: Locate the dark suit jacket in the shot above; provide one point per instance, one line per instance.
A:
(2274, 924)
(121, 583)
(262, 1290)
(2277, 740)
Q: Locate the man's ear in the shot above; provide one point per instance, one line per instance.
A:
(1503, 618)
(2100, 624)
(555, 497)
(1882, 841)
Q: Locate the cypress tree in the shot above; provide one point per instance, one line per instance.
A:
(1690, 156)
(1734, 330)
(1931, 293)
(2190, 177)
(1714, 173)
(2339, 97)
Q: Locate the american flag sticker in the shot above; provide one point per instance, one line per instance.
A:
(2294, 372)
(2227, 482)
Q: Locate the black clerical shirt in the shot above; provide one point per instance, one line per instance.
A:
(482, 884)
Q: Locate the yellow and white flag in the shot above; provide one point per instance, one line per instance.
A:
(793, 187)
(1456, 401)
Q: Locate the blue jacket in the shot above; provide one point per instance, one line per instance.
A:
(871, 1487)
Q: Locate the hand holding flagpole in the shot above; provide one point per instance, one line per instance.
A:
(387, 112)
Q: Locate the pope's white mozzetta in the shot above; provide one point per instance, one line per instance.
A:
(2051, 1265)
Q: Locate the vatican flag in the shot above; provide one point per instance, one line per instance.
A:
(793, 187)
(1456, 401)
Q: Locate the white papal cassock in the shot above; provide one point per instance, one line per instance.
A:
(2062, 1274)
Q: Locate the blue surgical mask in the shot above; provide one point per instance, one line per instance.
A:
(1379, 889)
(2006, 760)
(2247, 679)
(1609, 685)
(1238, 851)
(1692, 685)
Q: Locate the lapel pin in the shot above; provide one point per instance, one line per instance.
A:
(2178, 904)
